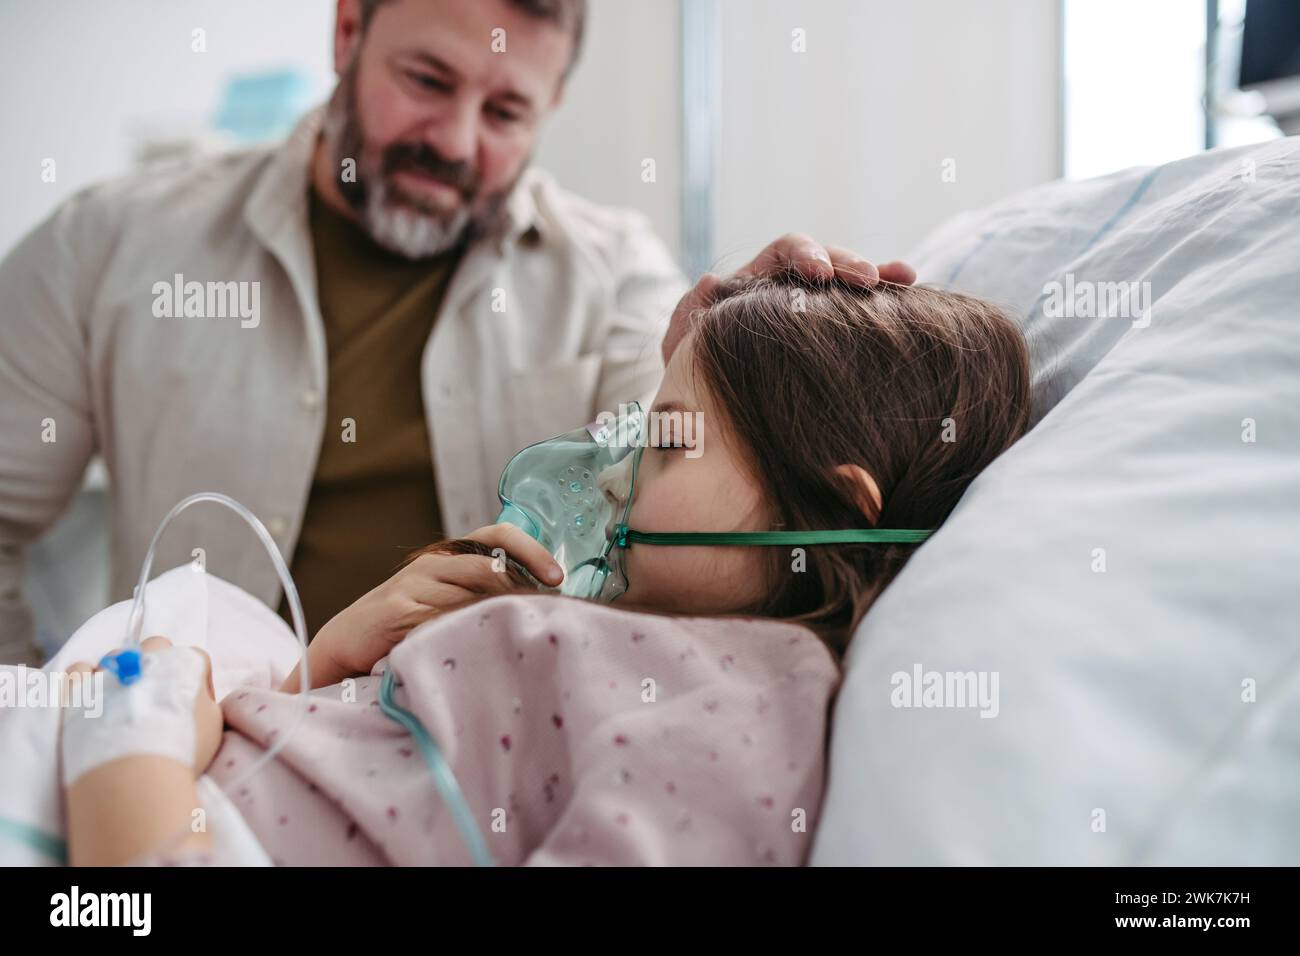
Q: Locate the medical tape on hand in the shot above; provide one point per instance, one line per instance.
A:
(152, 715)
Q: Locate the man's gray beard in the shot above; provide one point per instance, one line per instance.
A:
(401, 227)
(406, 230)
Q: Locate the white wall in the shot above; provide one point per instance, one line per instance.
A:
(623, 105)
(77, 77)
(1146, 54)
(846, 141)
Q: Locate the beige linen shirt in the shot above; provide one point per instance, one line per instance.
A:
(554, 320)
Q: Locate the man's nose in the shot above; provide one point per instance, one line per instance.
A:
(454, 133)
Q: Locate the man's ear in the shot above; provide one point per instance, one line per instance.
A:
(347, 33)
(866, 493)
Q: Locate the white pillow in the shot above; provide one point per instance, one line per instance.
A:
(1148, 713)
(249, 644)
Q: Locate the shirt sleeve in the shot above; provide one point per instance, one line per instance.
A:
(46, 425)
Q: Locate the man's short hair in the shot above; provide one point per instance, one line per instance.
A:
(568, 15)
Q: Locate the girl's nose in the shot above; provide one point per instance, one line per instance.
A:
(615, 483)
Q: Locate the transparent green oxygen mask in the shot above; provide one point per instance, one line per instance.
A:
(573, 493)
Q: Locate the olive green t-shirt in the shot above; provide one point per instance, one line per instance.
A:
(373, 498)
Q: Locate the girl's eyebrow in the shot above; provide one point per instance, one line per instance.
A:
(669, 407)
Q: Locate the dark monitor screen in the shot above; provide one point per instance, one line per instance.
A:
(1270, 43)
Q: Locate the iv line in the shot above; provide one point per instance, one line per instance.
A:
(136, 619)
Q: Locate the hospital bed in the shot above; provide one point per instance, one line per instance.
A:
(1124, 578)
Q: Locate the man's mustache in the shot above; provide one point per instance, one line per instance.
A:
(422, 158)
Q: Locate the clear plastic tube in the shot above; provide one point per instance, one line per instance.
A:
(135, 621)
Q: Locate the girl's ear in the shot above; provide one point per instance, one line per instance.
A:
(866, 493)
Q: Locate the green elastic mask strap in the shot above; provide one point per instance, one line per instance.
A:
(623, 536)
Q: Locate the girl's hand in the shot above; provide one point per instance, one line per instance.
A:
(129, 775)
(208, 722)
(364, 633)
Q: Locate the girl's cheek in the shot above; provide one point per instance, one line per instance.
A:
(650, 506)
(658, 576)
(689, 580)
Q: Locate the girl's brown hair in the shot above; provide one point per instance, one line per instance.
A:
(921, 388)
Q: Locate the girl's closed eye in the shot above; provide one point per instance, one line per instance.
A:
(675, 438)
(676, 445)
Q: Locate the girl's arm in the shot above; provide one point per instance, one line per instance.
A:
(447, 575)
(140, 801)
(125, 810)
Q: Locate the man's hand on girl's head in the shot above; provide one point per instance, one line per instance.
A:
(792, 252)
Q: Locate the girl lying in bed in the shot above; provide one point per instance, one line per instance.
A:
(685, 724)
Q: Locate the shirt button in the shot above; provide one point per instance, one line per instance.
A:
(311, 399)
(277, 526)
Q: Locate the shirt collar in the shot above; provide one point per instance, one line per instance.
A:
(523, 218)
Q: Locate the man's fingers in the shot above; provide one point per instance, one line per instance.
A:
(701, 294)
(814, 260)
(804, 254)
(155, 644)
(851, 268)
(899, 273)
(699, 297)
(519, 545)
(796, 251)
